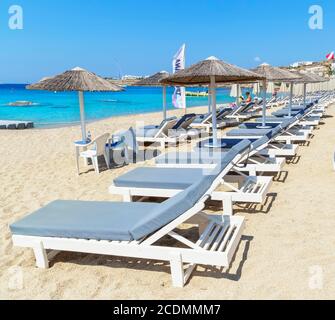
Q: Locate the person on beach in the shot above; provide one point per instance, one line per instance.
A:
(248, 98)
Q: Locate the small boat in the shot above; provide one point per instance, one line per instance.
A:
(196, 94)
(21, 104)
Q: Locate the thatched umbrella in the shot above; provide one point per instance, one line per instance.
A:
(306, 78)
(79, 80)
(211, 72)
(236, 92)
(273, 74)
(155, 81)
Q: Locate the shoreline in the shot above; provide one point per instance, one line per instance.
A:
(89, 122)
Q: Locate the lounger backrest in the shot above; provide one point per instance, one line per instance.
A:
(274, 132)
(184, 121)
(203, 118)
(241, 149)
(247, 107)
(172, 208)
(163, 123)
(259, 143)
(186, 200)
(166, 127)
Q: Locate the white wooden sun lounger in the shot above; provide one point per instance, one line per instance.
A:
(160, 135)
(206, 159)
(133, 230)
(287, 134)
(166, 183)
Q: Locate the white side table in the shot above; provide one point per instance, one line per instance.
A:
(81, 145)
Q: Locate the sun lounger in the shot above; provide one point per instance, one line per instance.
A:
(244, 112)
(272, 125)
(206, 121)
(205, 158)
(287, 134)
(133, 230)
(159, 135)
(167, 182)
(305, 121)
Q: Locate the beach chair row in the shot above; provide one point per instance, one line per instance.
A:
(15, 125)
(137, 229)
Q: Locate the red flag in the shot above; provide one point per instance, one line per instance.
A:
(330, 56)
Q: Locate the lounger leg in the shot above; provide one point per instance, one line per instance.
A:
(77, 160)
(228, 206)
(253, 172)
(108, 158)
(177, 271)
(41, 256)
(96, 164)
(127, 197)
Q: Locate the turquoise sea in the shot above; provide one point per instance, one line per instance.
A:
(61, 108)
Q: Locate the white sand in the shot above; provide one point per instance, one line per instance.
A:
(274, 260)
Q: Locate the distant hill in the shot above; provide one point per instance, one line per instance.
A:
(123, 83)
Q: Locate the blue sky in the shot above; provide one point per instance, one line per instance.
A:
(141, 36)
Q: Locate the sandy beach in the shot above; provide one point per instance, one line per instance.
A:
(287, 245)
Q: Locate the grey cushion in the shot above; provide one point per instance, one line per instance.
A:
(274, 132)
(203, 156)
(231, 155)
(159, 178)
(172, 208)
(147, 133)
(284, 113)
(260, 142)
(84, 220)
(184, 121)
(248, 132)
(167, 120)
(201, 118)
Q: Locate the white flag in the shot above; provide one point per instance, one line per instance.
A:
(179, 96)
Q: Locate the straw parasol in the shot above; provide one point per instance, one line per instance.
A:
(304, 80)
(202, 73)
(256, 89)
(270, 88)
(211, 72)
(155, 81)
(283, 87)
(274, 74)
(77, 79)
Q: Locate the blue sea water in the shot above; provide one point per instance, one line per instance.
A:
(61, 108)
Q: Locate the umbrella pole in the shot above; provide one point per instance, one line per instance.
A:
(291, 100)
(305, 94)
(238, 94)
(264, 104)
(82, 115)
(164, 103)
(209, 100)
(215, 132)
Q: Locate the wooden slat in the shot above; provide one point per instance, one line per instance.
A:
(226, 239)
(212, 237)
(220, 237)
